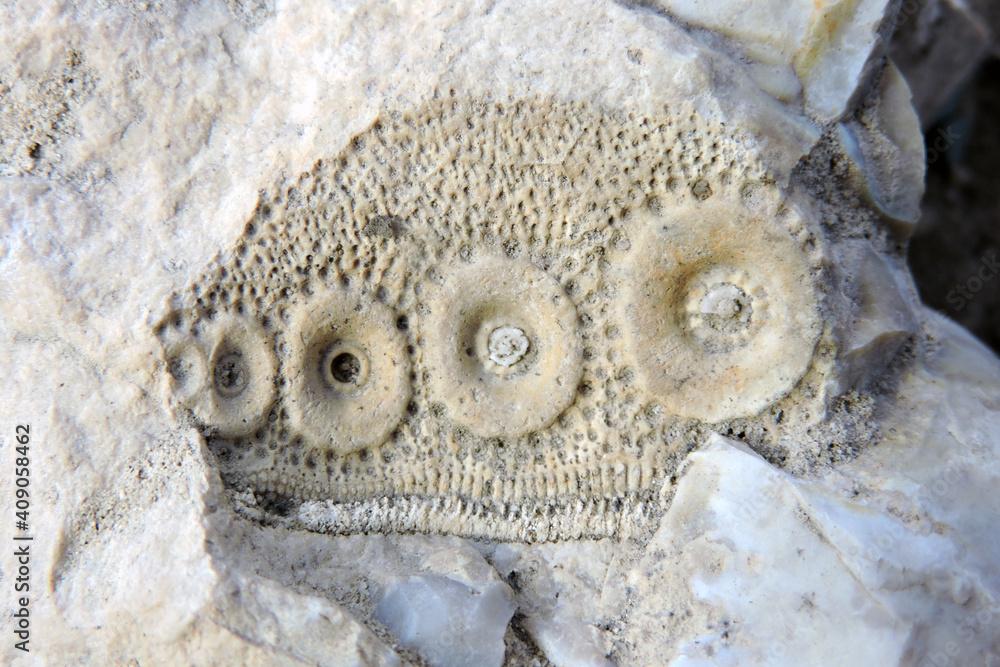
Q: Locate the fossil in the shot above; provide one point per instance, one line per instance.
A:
(500, 333)
(500, 319)
(348, 372)
(723, 306)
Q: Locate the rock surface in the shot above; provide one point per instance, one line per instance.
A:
(846, 515)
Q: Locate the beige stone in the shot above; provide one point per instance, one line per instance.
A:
(240, 244)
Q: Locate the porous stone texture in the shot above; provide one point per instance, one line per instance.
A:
(501, 333)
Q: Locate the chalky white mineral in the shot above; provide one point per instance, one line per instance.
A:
(483, 333)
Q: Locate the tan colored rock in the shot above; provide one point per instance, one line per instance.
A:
(224, 225)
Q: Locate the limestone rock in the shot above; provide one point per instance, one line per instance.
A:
(482, 333)
(558, 591)
(883, 319)
(886, 144)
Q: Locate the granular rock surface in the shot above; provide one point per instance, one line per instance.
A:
(500, 333)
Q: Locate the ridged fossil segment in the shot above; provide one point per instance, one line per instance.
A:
(496, 319)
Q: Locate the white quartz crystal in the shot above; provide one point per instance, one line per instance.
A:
(446, 622)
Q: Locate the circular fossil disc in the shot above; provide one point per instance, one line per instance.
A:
(503, 349)
(236, 376)
(349, 372)
(187, 370)
(723, 309)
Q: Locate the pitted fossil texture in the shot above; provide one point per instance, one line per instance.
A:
(497, 319)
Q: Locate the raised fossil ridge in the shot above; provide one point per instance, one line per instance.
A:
(498, 319)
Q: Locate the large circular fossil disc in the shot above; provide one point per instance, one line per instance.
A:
(723, 309)
(226, 376)
(503, 350)
(349, 372)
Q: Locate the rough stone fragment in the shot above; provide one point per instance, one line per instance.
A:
(887, 145)
(827, 46)
(227, 228)
(559, 595)
(302, 629)
(448, 624)
(883, 321)
(455, 618)
(844, 595)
